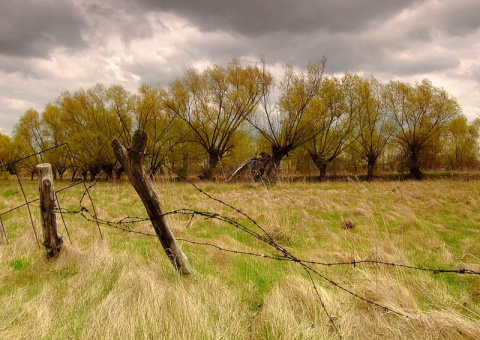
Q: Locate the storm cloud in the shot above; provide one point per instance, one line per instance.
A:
(48, 46)
(36, 28)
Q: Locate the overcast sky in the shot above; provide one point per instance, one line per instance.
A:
(51, 46)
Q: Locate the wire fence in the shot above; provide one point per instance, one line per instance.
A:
(13, 168)
(278, 252)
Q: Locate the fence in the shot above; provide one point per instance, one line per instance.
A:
(28, 202)
(279, 253)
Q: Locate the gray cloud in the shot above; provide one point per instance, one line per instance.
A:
(48, 46)
(32, 28)
(116, 18)
(253, 17)
(475, 72)
(458, 18)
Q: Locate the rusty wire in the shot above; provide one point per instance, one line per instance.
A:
(258, 232)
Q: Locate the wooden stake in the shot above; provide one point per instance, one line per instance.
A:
(51, 239)
(4, 232)
(131, 160)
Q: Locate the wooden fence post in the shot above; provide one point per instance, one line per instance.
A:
(131, 160)
(4, 232)
(51, 239)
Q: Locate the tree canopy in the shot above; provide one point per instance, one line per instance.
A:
(226, 114)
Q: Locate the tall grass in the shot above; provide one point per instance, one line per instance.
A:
(123, 286)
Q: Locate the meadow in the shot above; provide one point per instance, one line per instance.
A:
(120, 285)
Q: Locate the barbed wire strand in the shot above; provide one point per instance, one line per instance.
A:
(319, 297)
(293, 258)
(129, 220)
(34, 200)
(86, 190)
(28, 205)
(18, 160)
(27, 202)
(203, 192)
(61, 215)
(353, 263)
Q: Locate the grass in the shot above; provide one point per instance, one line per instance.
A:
(123, 286)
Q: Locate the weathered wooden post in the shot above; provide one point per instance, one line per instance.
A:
(4, 232)
(51, 239)
(131, 159)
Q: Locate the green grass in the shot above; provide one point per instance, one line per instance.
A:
(20, 263)
(123, 285)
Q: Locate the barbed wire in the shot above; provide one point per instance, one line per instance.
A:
(12, 167)
(184, 211)
(284, 254)
(256, 230)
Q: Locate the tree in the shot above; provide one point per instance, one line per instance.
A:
(461, 143)
(92, 118)
(29, 129)
(421, 113)
(286, 126)
(120, 103)
(335, 110)
(57, 134)
(376, 125)
(165, 130)
(30, 138)
(8, 154)
(215, 103)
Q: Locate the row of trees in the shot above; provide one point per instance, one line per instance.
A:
(227, 114)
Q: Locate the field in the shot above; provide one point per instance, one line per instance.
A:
(121, 285)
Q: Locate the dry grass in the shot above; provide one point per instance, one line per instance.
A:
(124, 287)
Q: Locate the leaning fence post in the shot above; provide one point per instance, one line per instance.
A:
(51, 239)
(131, 159)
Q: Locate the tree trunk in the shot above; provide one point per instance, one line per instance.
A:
(51, 239)
(370, 168)
(131, 160)
(322, 168)
(321, 164)
(94, 171)
(11, 169)
(415, 171)
(118, 172)
(61, 171)
(183, 171)
(271, 164)
(271, 173)
(108, 170)
(213, 160)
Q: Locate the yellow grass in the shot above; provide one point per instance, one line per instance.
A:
(123, 286)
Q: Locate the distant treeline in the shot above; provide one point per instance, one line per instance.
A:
(211, 122)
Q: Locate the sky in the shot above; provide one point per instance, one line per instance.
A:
(51, 46)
